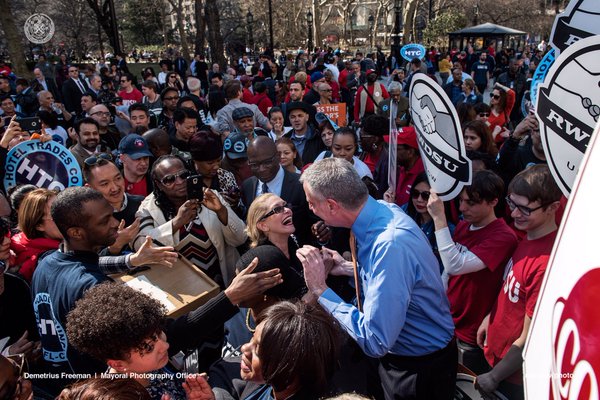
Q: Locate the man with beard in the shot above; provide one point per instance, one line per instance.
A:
(369, 96)
(109, 135)
(135, 157)
(88, 138)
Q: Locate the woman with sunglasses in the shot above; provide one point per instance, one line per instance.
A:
(174, 81)
(203, 229)
(416, 208)
(502, 101)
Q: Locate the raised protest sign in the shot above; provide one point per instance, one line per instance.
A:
(562, 352)
(337, 112)
(45, 165)
(412, 50)
(578, 21)
(440, 137)
(568, 107)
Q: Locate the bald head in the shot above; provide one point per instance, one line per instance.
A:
(101, 114)
(158, 142)
(262, 144)
(262, 158)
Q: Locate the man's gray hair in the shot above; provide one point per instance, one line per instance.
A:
(193, 84)
(336, 179)
(394, 86)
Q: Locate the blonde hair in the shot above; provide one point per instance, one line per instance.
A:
(33, 210)
(257, 210)
(300, 77)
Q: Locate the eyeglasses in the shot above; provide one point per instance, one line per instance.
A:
(483, 115)
(494, 96)
(171, 98)
(264, 163)
(526, 211)
(19, 367)
(276, 210)
(101, 113)
(169, 180)
(415, 194)
(97, 159)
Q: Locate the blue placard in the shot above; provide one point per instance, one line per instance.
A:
(46, 165)
(412, 50)
(540, 74)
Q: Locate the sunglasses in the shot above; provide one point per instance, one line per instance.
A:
(276, 210)
(96, 159)
(415, 194)
(482, 115)
(526, 211)
(327, 90)
(169, 180)
(19, 368)
(494, 96)
(265, 163)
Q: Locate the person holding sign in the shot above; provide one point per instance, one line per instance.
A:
(473, 259)
(402, 316)
(533, 198)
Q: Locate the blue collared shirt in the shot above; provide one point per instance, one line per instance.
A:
(405, 308)
(300, 141)
(274, 186)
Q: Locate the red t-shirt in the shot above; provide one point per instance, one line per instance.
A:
(517, 298)
(405, 181)
(139, 188)
(130, 98)
(472, 295)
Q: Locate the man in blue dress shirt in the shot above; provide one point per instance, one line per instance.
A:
(405, 320)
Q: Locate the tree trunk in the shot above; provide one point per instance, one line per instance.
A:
(13, 39)
(185, 49)
(215, 40)
(410, 6)
(105, 21)
(200, 27)
(316, 10)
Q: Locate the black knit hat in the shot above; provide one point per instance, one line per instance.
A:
(270, 257)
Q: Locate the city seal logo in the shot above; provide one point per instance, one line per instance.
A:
(440, 137)
(568, 107)
(39, 28)
(579, 20)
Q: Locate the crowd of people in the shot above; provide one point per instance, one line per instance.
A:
(330, 281)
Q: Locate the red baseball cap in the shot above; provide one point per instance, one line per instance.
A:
(408, 136)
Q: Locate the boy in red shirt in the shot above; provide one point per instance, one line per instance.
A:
(533, 198)
(474, 259)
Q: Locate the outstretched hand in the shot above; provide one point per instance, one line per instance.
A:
(149, 255)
